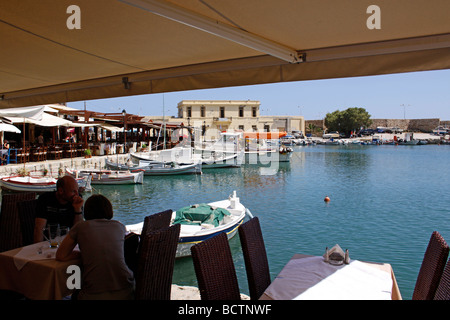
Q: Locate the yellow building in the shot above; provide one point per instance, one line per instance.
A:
(213, 116)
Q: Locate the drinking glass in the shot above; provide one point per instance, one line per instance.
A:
(53, 235)
(63, 232)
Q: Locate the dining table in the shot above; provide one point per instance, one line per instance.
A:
(34, 272)
(307, 277)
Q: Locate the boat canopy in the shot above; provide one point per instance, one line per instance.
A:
(264, 135)
(200, 213)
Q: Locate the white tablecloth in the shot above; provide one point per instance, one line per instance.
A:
(36, 251)
(313, 279)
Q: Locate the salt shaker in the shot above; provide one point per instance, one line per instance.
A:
(326, 257)
(346, 258)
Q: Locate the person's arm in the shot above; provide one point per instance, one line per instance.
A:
(78, 209)
(65, 250)
(39, 225)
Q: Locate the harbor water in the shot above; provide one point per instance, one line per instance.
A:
(385, 203)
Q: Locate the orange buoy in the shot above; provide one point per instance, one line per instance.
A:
(327, 199)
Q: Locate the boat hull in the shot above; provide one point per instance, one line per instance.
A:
(159, 169)
(108, 177)
(190, 235)
(232, 161)
(185, 243)
(31, 184)
(266, 157)
(209, 159)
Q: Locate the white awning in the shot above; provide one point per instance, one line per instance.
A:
(110, 127)
(47, 120)
(4, 127)
(34, 113)
(132, 47)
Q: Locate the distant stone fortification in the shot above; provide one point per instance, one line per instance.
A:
(416, 125)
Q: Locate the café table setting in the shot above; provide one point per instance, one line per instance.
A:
(36, 251)
(34, 272)
(333, 276)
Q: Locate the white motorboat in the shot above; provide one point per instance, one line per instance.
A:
(157, 168)
(38, 184)
(226, 152)
(183, 155)
(111, 177)
(203, 221)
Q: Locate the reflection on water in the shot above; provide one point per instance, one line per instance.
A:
(385, 203)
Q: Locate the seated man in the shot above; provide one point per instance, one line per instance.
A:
(63, 207)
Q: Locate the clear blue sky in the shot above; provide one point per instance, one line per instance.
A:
(414, 95)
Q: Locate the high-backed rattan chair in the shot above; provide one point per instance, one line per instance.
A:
(10, 233)
(130, 250)
(27, 216)
(255, 257)
(432, 267)
(132, 246)
(443, 290)
(214, 268)
(155, 264)
(157, 221)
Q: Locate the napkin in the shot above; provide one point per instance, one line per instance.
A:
(36, 251)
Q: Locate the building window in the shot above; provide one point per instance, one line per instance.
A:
(255, 128)
(222, 112)
(241, 111)
(189, 112)
(266, 128)
(254, 112)
(241, 127)
(202, 111)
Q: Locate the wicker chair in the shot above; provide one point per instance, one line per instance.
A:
(27, 215)
(156, 263)
(432, 267)
(130, 250)
(10, 233)
(154, 222)
(214, 268)
(443, 290)
(157, 221)
(255, 257)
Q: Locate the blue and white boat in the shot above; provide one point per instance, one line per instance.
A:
(203, 221)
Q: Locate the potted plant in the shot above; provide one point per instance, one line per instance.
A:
(87, 153)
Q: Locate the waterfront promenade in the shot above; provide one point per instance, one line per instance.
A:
(53, 166)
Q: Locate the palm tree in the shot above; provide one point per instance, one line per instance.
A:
(312, 128)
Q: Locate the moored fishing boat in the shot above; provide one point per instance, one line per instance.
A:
(157, 168)
(203, 221)
(38, 184)
(264, 147)
(110, 177)
(210, 159)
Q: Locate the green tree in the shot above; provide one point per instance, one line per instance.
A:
(348, 120)
(312, 128)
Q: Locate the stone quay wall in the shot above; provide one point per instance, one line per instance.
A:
(414, 125)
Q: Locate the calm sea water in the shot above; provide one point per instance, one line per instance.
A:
(385, 203)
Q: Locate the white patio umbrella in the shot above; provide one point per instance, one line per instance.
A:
(5, 127)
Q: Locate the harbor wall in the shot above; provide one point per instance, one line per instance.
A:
(53, 166)
(414, 125)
